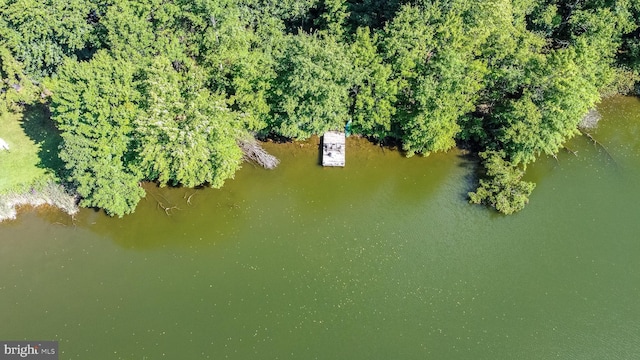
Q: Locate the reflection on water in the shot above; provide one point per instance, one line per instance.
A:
(381, 259)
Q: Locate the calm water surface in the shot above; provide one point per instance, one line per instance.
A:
(383, 259)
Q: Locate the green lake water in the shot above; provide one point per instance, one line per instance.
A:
(382, 259)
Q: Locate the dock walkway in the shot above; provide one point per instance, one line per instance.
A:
(333, 148)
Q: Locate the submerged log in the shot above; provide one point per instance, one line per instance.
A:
(597, 143)
(574, 152)
(252, 151)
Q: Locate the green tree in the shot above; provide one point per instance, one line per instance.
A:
(186, 135)
(503, 188)
(333, 17)
(15, 86)
(548, 111)
(42, 34)
(127, 30)
(310, 94)
(238, 57)
(597, 36)
(375, 91)
(94, 104)
(433, 49)
(372, 13)
(295, 14)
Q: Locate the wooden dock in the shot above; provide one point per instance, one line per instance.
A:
(333, 148)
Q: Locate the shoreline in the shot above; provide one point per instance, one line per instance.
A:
(51, 194)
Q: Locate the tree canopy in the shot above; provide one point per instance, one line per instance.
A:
(162, 90)
(95, 104)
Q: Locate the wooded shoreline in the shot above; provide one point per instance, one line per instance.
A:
(173, 91)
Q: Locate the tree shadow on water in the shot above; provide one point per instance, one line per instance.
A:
(39, 127)
(471, 162)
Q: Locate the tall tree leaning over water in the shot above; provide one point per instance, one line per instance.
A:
(134, 78)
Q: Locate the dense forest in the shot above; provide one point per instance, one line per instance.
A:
(164, 90)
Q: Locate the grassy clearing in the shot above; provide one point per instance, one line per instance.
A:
(28, 169)
(33, 143)
(19, 165)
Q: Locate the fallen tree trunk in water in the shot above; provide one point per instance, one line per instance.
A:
(597, 143)
(254, 152)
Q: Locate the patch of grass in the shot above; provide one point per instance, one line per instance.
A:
(33, 141)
